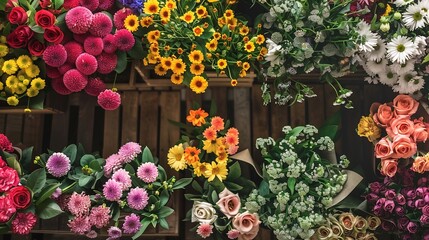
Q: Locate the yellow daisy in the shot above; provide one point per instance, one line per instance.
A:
(1, 86)
(32, 92)
(4, 50)
(12, 101)
(24, 61)
(20, 88)
(171, 4)
(244, 30)
(146, 21)
(11, 81)
(249, 47)
(196, 68)
(246, 66)
(166, 62)
(212, 45)
(260, 39)
(10, 67)
(198, 31)
(188, 17)
(218, 170)
(200, 169)
(222, 63)
(198, 84)
(228, 14)
(151, 7)
(216, 35)
(131, 23)
(176, 78)
(196, 56)
(165, 14)
(234, 82)
(153, 36)
(211, 145)
(152, 58)
(175, 158)
(201, 12)
(160, 70)
(178, 66)
(32, 71)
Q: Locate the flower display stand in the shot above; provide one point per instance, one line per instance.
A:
(52, 103)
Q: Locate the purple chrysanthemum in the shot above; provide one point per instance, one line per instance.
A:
(112, 190)
(99, 216)
(124, 40)
(80, 225)
(129, 151)
(58, 164)
(119, 17)
(109, 43)
(79, 19)
(147, 172)
(137, 198)
(55, 55)
(113, 162)
(101, 25)
(79, 204)
(122, 177)
(86, 64)
(114, 232)
(93, 45)
(131, 224)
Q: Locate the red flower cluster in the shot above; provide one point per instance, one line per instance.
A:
(5, 144)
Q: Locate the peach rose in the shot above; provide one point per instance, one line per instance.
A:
(381, 113)
(420, 133)
(405, 105)
(403, 147)
(229, 203)
(389, 167)
(402, 126)
(420, 165)
(383, 149)
(247, 224)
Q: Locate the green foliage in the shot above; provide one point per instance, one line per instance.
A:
(48, 209)
(36, 181)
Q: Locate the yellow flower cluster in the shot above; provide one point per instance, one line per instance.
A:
(368, 128)
(184, 39)
(19, 77)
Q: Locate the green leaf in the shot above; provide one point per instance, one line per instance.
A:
(163, 223)
(86, 159)
(4, 229)
(47, 193)
(95, 164)
(291, 184)
(71, 152)
(328, 131)
(163, 198)
(122, 61)
(83, 181)
(234, 171)
(147, 156)
(196, 186)
(165, 212)
(27, 160)
(13, 163)
(426, 59)
(215, 197)
(2, 5)
(129, 169)
(145, 223)
(162, 174)
(137, 51)
(182, 183)
(58, 3)
(296, 131)
(48, 209)
(37, 179)
(37, 29)
(233, 187)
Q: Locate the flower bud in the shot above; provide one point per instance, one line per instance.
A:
(397, 16)
(384, 19)
(385, 27)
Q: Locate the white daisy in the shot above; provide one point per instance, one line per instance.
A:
(416, 84)
(273, 54)
(409, 83)
(379, 51)
(401, 69)
(424, 6)
(371, 79)
(377, 66)
(368, 40)
(400, 49)
(388, 77)
(420, 42)
(400, 3)
(362, 61)
(414, 17)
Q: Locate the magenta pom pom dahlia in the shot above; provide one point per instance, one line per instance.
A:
(79, 19)
(119, 17)
(124, 40)
(101, 25)
(58, 164)
(105, 4)
(80, 38)
(55, 55)
(109, 43)
(74, 49)
(65, 68)
(74, 80)
(92, 5)
(93, 45)
(147, 172)
(109, 100)
(52, 72)
(86, 64)
(59, 87)
(106, 62)
(137, 198)
(95, 86)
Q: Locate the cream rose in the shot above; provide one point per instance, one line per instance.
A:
(203, 212)
(347, 221)
(373, 223)
(420, 165)
(247, 224)
(229, 203)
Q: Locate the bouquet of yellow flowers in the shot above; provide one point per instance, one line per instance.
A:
(186, 38)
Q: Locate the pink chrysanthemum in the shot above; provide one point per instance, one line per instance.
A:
(106, 62)
(124, 40)
(65, 68)
(109, 43)
(137, 198)
(86, 64)
(113, 162)
(231, 139)
(52, 72)
(233, 131)
(217, 123)
(129, 151)
(147, 172)
(59, 87)
(105, 4)
(114, 232)
(57, 193)
(132, 224)
(62, 201)
(210, 133)
(112, 190)
(5, 144)
(74, 49)
(55, 55)
(101, 25)
(58, 164)
(74, 80)
(6, 209)
(123, 178)
(99, 216)
(109, 100)
(91, 234)
(80, 225)
(69, 4)
(95, 86)
(233, 234)
(23, 223)
(205, 230)
(80, 38)
(79, 19)
(93, 45)
(79, 204)
(232, 149)
(92, 5)
(119, 17)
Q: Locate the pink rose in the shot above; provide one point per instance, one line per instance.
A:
(383, 148)
(402, 126)
(403, 147)
(229, 203)
(389, 167)
(421, 132)
(420, 165)
(6, 209)
(381, 113)
(405, 105)
(247, 224)
(8, 178)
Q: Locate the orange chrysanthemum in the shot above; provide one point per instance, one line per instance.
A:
(197, 117)
(210, 133)
(217, 123)
(191, 155)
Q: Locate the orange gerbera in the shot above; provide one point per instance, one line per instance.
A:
(231, 139)
(197, 117)
(210, 133)
(188, 17)
(232, 131)
(198, 31)
(191, 155)
(201, 12)
(217, 123)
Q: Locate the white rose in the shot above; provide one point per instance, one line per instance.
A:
(203, 212)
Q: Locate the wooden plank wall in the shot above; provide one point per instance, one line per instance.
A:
(144, 116)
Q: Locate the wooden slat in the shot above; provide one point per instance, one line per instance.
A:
(191, 99)
(14, 128)
(33, 132)
(297, 114)
(316, 110)
(220, 96)
(85, 131)
(260, 121)
(279, 118)
(2, 123)
(129, 116)
(149, 123)
(111, 132)
(59, 131)
(242, 116)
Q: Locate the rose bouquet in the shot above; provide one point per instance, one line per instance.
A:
(183, 39)
(217, 182)
(399, 145)
(304, 36)
(348, 226)
(299, 184)
(401, 202)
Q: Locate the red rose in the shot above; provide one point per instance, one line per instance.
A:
(20, 197)
(53, 34)
(10, 4)
(36, 48)
(6, 209)
(45, 3)
(44, 18)
(19, 37)
(2, 162)
(17, 16)
(5, 144)
(8, 178)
